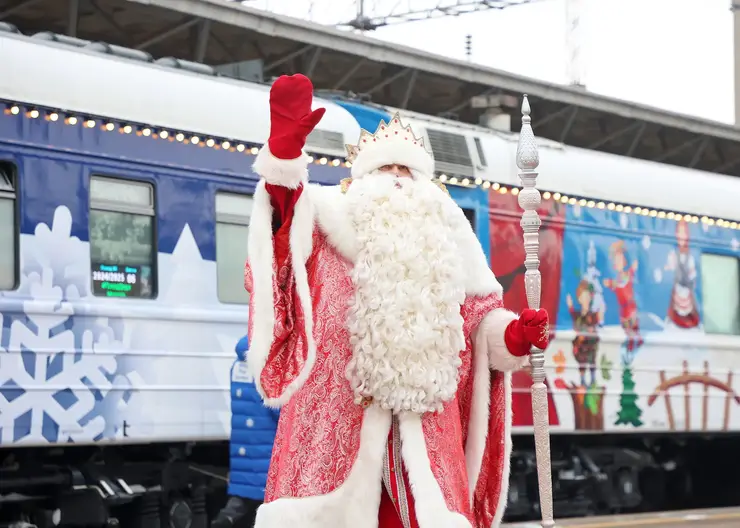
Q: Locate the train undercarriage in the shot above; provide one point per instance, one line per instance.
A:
(184, 486)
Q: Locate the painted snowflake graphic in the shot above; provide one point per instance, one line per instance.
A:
(58, 368)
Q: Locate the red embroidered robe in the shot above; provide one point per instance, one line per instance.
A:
(331, 456)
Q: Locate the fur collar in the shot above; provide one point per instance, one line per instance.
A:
(330, 209)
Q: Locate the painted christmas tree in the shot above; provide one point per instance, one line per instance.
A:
(629, 412)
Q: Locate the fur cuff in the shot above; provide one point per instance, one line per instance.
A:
(490, 334)
(276, 171)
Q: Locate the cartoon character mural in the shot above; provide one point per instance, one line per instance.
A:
(587, 314)
(683, 310)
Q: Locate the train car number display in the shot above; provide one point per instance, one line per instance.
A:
(116, 280)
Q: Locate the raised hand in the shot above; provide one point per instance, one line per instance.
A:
(291, 118)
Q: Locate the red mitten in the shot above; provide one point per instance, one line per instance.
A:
(532, 328)
(291, 118)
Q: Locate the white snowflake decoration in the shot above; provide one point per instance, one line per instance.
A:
(56, 377)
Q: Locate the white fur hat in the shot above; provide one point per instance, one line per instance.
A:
(392, 143)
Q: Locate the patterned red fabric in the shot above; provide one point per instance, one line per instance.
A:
(323, 410)
(283, 202)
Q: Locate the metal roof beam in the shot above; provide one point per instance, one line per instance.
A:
(349, 73)
(409, 89)
(288, 28)
(73, 17)
(312, 63)
(19, 7)
(569, 124)
(388, 80)
(699, 152)
(201, 44)
(159, 37)
(289, 56)
(614, 135)
(677, 149)
(554, 115)
(636, 140)
(109, 19)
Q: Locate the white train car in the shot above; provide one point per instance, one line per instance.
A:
(641, 276)
(125, 194)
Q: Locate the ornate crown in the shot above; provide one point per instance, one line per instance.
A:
(391, 143)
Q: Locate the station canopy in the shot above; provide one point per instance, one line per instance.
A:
(257, 45)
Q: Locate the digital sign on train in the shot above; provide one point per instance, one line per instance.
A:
(116, 281)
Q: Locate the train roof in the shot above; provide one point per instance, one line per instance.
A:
(101, 80)
(480, 152)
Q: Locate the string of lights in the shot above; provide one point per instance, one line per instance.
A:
(234, 145)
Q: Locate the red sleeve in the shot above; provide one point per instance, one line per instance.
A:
(283, 202)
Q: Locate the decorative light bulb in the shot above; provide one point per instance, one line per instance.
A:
(15, 110)
(53, 116)
(109, 127)
(323, 161)
(495, 186)
(479, 181)
(195, 140)
(127, 129)
(556, 196)
(465, 181)
(225, 145)
(254, 151)
(164, 134)
(33, 114)
(443, 177)
(486, 184)
(89, 123)
(72, 120)
(180, 137)
(240, 147)
(546, 195)
(515, 190)
(210, 142)
(146, 132)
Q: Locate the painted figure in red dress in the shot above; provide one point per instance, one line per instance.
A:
(622, 286)
(378, 328)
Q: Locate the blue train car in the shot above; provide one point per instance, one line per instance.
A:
(125, 190)
(641, 276)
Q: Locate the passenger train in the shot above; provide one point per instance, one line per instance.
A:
(125, 188)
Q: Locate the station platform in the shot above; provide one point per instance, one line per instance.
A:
(717, 518)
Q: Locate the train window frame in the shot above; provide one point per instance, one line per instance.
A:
(9, 191)
(471, 215)
(231, 217)
(706, 274)
(120, 206)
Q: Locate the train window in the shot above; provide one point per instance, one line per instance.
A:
(232, 227)
(470, 215)
(122, 245)
(720, 279)
(8, 228)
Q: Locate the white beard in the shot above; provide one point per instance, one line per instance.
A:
(405, 323)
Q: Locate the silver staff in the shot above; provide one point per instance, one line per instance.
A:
(527, 159)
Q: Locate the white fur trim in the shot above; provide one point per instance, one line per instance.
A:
(490, 336)
(431, 508)
(330, 206)
(480, 409)
(479, 279)
(508, 444)
(398, 151)
(261, 260)
(276, 171)
(332, 217)
(478, 429)
(353, 504)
